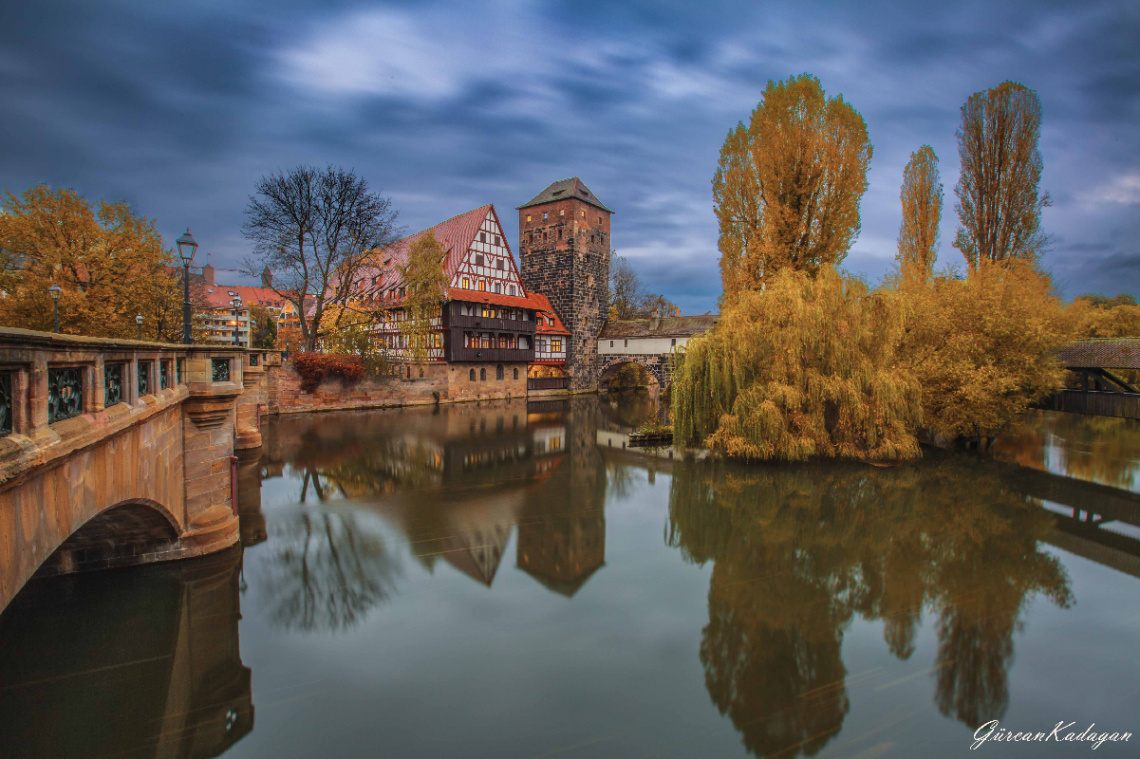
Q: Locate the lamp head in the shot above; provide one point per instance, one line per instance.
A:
(139, 320)
(55, 291)
(187, 246)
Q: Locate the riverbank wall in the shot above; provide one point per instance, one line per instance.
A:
(435, 383)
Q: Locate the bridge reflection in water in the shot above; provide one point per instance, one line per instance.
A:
(139, 662)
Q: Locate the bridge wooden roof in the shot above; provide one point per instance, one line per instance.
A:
(668, 326)
(1103, 353)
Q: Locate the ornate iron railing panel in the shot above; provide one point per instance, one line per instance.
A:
(221, 369)
(253, 359)
(5, 403)
(163, 375)
(112, 384)
(144, 378)
(65, 393)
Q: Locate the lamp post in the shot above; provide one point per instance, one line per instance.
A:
(186, 249)
(236, 303)
(55, 291)
(139, 321)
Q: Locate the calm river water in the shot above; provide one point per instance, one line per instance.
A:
(506, 581)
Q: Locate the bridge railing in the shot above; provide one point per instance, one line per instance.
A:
(48, 379)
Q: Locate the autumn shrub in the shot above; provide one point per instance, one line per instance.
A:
(315, 367)
(804, 368)
(982, 347)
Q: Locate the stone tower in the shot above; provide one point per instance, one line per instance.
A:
(564, 248)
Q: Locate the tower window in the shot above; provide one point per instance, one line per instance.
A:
(499, 372)
(471, 376)
(528, 217)
(583, 214)
(544, 215)
(482, 375)
(530, 237)
(559, 234)
(516, 372)
(562, 212)
(544, 236)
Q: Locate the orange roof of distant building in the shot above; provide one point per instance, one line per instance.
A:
(220, 296)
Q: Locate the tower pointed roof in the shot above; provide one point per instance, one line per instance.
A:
(564, 189)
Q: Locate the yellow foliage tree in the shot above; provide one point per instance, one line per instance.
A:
(1089, 319)
(788, 184)
(805, 368)
(109, 263)
(982, 347)
(426, 284)
(921, 198)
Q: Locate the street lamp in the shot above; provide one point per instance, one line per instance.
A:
(186, 249)
(236, 303)
(55, 291)
(139, 321)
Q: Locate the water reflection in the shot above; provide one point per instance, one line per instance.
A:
(1098, 449)
(798, 552)
(139, 662)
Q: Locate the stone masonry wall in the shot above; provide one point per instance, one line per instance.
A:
(443, 383)
(573, 272)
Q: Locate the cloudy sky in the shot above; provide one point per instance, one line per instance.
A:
(178, 108)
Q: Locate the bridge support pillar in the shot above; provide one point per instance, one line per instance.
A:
(248, 419)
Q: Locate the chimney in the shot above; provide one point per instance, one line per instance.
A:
(654, 323)
(208, 274)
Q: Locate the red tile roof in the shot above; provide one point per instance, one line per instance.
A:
(455, 235)
(498, 299)
(218, 296)
(547, 310)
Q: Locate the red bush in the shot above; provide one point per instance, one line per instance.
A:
(314, 367)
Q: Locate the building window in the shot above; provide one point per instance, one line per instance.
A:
(673, 342)
(466, 283)
(499, 264)
(626, 344)
(544, 215)
(471, 375)
(559, 234)
(499, 372)
(498, 241)
(528, 217)
(498, 288)
(556, 345)
(482, 286)
(513, 290)
(516, 372)
(544, 236)
(530, 237)
(478, 260)
(482, 237)
(611, 343)
(583, 214)
(483, 375)
(561, 211)
(524, 344)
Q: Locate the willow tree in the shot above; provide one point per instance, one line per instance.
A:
(921, 198)
(805, 368)
(999, 205)
(425, 283)
(788, 184)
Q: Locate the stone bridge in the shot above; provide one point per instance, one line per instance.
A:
(118, 452)
(658, 365)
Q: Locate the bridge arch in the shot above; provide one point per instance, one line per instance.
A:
(115, 536)
(657, 366)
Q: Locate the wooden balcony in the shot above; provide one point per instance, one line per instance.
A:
(491, 355)
(480, 323)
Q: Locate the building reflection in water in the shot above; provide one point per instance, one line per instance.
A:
(455, 484)
(138, 662)
(799, 552)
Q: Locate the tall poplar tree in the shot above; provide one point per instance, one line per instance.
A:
(788, 185)
(999, 206)
(921, 198)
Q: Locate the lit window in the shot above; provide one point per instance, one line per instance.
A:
(466, 283)
(544, 215)
(556, 345)
(482, 286)
(528, 217)
(583, 214)
(561, 212)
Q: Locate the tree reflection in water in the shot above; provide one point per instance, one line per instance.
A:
(325, 570)
(799, 551)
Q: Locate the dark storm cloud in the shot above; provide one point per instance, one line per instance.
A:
(180, 108)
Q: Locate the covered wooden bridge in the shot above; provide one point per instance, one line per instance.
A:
(1104, 387)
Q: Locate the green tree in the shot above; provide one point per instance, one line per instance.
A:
(921, 198)
(805, 368)
(426, 284)
(999, 206)
(265, 327)
(788, 185)
(110, 264)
